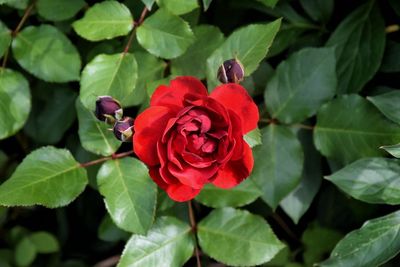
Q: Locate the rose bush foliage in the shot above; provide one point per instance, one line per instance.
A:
(120, 146)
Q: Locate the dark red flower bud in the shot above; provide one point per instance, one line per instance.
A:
(231, 71)
(123, 129)
(108, 109)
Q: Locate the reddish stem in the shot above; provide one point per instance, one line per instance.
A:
(194, 229)
(113, 156)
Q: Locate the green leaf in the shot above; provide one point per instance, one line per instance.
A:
(394, 150)
(249, 44)
(361, 35)
(388, 104)
(268, 3)
(165, 35)
(150, 68)
(350, 127)
(287, 36)
(178, 7)
(295, 93)
(318, 10)
(44, 242)
(130, 195)
(25, 252)
(59, 10)
(148, 3)
(95, 135)
(48, 176)
(237, 238)
(299, 200)
(52, 114)
(19, 4)
(206, 4)
(376, 242)
(104, 20)
(5, 38)
(245, 193)
(47, 53)
(389, 62)
(193, 62)
(113, 75)
(253, 138)
(278, 164)
(15, 102)
(373, 180)
(109, 232)
(168, 243)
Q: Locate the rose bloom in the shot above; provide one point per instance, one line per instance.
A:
(189, 138)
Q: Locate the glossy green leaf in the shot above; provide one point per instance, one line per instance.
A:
(15, 102)
(178, 7)
(150, 68)
(47, 53)
(394, 150)
(390, 62)
(19, 4)
(361, 35)
(5, 38)
(165, 35)
(193, 62)
(268, 3)
(243, 194)
(52, 114)
(253, 138)
(295, 93)
(95, 135)
(299, 200)
(206, 4)
(237, 238)
(388, 104)
(108, 231)
(44, 242)
(25, 252)
(376, 242)
(148, 3)
(48, 176)
(113, 75)
(104, 20)
(130, 194)
(249, 44)
(58, 10)
(318, 10)
(350, 127)
(278, 164)
(168, 243)
(287, 36)
(373, 180)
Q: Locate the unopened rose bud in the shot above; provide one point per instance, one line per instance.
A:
(108, 109)
(123, 129)
(231, 71)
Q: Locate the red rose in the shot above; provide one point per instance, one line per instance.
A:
(189, 138)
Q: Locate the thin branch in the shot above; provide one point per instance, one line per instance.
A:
(303, 126)
(24, 17)
(194, 229)
(284, 226)
(114, 156)
(142, 16)
(109, 262)
(135, 24)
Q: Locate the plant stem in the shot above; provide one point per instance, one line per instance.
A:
(135, 24)
(284, 226)
(112, 261)
(113, 156)
(194, 229)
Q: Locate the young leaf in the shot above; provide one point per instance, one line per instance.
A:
(253, 138)
(376, 242)
(178, 7)
(394, 150)
(113, 75)
(48, 176)
(193, 62)
(15, 102)
(104, 20)
(95, 135)
(165, 35)
(237, 238)
(243, 194)
(206, 4)
(168, 243)
(346, 134)
(47, 53)
(349, 40)
(5, 38)
(295, 93)
(58, 10)
(249, 44)
(130, 195)
(278, 164)
(25, 252)
(388, 104)
(373, 180)
(44, 242)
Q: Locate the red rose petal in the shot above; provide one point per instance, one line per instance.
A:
(193, 177)
(236, 171)
(174, 94)
(155, 175)
(236, 98)
(182, 193)
(149, 127)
